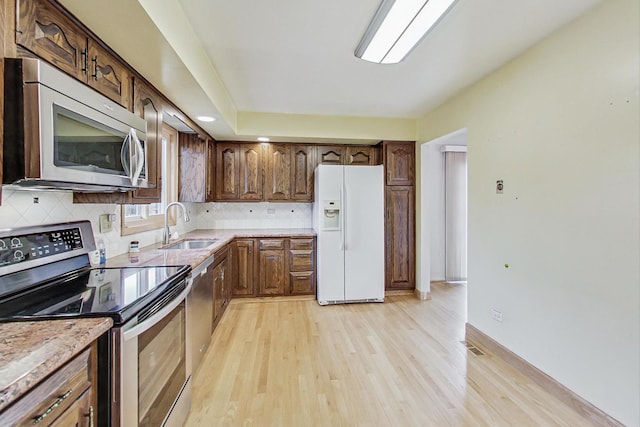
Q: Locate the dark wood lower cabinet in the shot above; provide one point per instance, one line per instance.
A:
(400, 237)
(66, 398)
(244, 263)
(272, 277)
(222, 277)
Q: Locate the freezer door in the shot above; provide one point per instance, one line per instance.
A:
(363, 207)
(330, 255)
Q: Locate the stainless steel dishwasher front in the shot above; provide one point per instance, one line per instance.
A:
(200, 312)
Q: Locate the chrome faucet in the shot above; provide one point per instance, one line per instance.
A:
(167, 234)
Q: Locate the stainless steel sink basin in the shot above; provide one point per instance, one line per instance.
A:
(192, 244)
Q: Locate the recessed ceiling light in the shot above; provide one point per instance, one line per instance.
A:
(397, 27)
(206, 118)
(263, 139)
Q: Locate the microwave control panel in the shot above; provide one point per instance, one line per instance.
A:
(27, 247)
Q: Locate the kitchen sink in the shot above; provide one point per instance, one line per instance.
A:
(192, 244)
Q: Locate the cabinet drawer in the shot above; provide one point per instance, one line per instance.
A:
(53, 396)
(300, 260)
(301, 244)
(271, 244)
(302, 283)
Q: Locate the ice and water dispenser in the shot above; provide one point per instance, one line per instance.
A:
(331, 215)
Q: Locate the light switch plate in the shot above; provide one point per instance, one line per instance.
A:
(105, 223)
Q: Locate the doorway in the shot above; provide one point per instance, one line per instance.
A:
(433, 210)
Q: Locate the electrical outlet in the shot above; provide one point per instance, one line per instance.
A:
(105, 223)
(497, 315)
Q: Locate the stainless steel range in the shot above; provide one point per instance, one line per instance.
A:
(143, 369)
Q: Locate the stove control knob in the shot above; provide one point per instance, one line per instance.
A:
(3, 245)
(18, 255)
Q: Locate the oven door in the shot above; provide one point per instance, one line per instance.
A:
(151, 377)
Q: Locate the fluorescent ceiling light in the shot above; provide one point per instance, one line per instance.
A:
(263, 139)
(206, 118)
(397, 27)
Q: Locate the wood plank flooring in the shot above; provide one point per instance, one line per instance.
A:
(401, 363)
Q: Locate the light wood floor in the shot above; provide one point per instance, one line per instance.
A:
(400, 363)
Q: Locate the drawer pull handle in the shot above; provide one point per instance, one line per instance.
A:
(57, 403)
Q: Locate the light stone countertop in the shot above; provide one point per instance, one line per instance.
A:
(156, 255)
(30, 351)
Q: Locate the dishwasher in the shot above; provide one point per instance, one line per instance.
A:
(200, 311)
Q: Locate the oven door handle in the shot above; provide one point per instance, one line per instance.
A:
(151, 321)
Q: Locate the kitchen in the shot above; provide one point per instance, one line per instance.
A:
(22, 208)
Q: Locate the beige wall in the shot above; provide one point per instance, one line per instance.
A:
(560, 125)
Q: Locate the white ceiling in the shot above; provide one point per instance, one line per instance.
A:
(296, 56)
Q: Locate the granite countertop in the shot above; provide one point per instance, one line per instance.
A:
(30, 351)
(156, 255)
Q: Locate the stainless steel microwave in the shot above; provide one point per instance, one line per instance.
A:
(61, 134)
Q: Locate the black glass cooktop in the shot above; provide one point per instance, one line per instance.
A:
(119, 293)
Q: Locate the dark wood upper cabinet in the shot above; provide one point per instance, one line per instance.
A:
(331, 154)
(227, 171)
(210, 189)
(44, 30)
(302, 168)
(147, 103)
(192, 157)
(360, 155)
(277, 186)
(399, 161)
(108, 75)
(251, 172)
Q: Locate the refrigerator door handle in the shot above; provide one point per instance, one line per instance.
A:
(344, 214)
(341, 219)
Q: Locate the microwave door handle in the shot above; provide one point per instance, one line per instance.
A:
(138, 156)
(125, 156)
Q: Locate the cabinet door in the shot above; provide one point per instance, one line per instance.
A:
(400, 238)
(210, 170)
(331, 155)
(399, 162)
(360, 155)
(227, 171)
(48, 33)
(147, 104)
(278, 177)
(108, 75)
(302, 165)
(218, 284)
(192, 159)
(250, 172)
(243, 258)
(272, 267)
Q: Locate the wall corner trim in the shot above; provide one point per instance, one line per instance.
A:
(560, 392)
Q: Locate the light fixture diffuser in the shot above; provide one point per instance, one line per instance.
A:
(397, 27)
(206, 119)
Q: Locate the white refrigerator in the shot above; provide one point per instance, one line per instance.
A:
(348, 217)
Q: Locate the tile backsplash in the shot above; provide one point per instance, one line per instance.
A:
(254, 215)
(25, 208)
